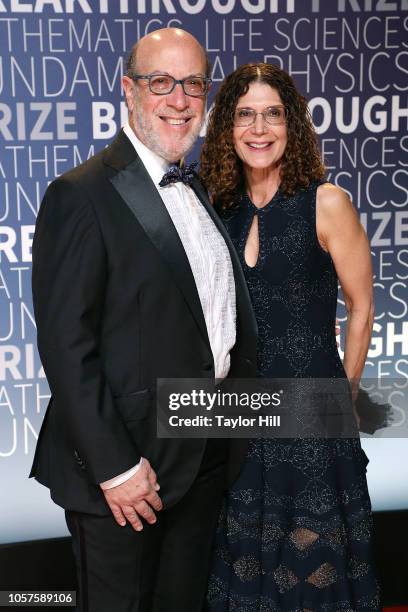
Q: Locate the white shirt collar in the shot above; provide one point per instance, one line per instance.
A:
(155, 165)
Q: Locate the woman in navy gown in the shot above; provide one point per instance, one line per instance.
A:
(295, 529)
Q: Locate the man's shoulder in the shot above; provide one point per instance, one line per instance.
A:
(93, 172)
(75, 185)
(84, 172)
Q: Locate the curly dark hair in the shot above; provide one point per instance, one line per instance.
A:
(222, 170)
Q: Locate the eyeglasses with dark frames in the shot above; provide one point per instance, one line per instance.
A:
(274, 115)
(163, 84)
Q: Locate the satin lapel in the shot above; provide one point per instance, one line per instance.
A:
(138, 191)
(243, 297)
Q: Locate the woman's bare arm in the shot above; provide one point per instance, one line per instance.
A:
(341, 234)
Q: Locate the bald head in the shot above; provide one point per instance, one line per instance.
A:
(168, 39)
(166, 123)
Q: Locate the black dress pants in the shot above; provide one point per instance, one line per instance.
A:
(163, 568)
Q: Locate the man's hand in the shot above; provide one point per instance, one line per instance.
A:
(135, 498)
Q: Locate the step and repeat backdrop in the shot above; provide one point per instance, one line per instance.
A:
(61, 101)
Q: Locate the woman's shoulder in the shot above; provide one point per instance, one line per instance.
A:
(333, 203)
(308, 190)
(332, 197)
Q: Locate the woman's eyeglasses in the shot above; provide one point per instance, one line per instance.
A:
(274, 115)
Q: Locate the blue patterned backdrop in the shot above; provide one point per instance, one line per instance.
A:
(60, 101)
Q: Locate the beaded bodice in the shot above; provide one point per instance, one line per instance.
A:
(293, 286)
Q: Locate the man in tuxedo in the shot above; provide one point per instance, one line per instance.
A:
(135, 279)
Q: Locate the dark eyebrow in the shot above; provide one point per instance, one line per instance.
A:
(250, 107)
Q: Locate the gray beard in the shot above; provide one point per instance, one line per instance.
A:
(171, 153)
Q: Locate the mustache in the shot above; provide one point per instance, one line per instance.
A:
(187, 114)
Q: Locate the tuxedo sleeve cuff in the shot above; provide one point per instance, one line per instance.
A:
(121, 478)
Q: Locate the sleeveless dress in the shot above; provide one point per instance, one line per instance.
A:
(295, 529)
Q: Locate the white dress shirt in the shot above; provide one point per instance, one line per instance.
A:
(209, 260)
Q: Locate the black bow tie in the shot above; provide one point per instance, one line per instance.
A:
(175, 174)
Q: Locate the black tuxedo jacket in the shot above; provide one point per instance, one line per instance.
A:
(116, 308)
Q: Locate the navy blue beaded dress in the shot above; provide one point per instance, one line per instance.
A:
(295, 530)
